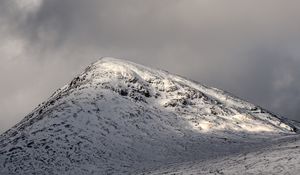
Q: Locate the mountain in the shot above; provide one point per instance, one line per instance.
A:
(118, 117)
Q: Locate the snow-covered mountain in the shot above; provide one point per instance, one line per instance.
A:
(118, 117)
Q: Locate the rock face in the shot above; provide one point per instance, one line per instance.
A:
(119, 117)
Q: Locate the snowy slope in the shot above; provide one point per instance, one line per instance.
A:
(281, 158)
(118, 117)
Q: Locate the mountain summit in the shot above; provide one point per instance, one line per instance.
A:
(118, 117)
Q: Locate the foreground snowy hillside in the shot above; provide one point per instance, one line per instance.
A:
(282, 158)
(118, 117)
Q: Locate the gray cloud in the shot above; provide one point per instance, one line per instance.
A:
(249, 48)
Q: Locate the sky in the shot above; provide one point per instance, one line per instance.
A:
(250, 48)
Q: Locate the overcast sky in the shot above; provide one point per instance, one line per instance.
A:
(250, 48)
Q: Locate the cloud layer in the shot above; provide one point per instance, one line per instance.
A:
(249, 48)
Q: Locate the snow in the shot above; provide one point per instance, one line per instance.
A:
(118, 117)
(281, 158)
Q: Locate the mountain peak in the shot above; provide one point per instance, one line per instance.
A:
(116, 66)
(121, 65)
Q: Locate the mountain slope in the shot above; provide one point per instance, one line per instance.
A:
(281, 158)
(120, 117)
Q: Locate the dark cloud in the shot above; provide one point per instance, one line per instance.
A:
(249, 48)
(270, 77)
